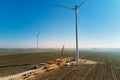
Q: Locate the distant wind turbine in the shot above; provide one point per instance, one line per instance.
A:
(76, 19)
(38, 35)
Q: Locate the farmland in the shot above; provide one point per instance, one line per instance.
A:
(108, 69)
(16, 61)
(12, 62)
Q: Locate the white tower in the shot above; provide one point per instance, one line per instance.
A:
(76, 24)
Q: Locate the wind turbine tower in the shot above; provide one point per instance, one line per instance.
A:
(76, 24)
(38, 35)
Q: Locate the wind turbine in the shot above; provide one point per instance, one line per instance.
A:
(38, 35)
(76, 19)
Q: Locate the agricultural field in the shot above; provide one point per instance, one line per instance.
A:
(16, 61)
(107, 69)
(12, 62)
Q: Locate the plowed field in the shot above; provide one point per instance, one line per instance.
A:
(107, 69)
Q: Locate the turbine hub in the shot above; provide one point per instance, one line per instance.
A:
(76, 6)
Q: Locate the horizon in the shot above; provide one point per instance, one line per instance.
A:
(21, 20)
(115, 50)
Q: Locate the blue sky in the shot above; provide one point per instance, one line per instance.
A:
(20, 21)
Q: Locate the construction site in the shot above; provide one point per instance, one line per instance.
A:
(50, 65)
(43, 68)
(27, 56)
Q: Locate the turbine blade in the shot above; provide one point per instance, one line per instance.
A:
(82, 3)
(64, 7)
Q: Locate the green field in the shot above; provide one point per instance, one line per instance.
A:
(12, 62)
